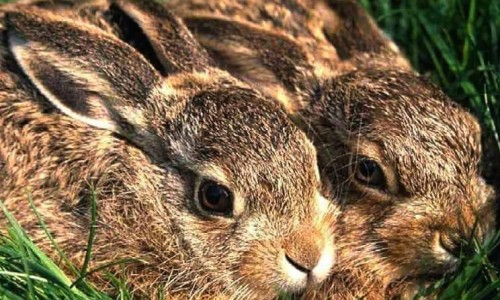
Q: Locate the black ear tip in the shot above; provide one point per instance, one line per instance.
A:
(20, 24)
(159, 35)
(13, 18)
(9, 19)
(132, 34)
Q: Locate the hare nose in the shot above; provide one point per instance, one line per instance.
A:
(303, 249)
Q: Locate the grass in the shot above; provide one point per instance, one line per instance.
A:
(454, 42)
(27, 273)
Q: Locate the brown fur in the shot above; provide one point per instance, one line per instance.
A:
(81, 110)
(357, 98)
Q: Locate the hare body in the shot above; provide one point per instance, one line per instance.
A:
(198, 176)
(401, 156)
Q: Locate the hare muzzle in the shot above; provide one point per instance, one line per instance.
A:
(307, 258)
(447, 246)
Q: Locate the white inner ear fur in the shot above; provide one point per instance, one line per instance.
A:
(25, 52)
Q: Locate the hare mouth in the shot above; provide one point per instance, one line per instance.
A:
(446, 252)
(437, 273)
(300, 277)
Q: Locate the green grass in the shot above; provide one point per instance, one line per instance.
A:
(454, 42)
(27, 273)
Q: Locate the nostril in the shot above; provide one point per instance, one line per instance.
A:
(297, 265)
(452, 245)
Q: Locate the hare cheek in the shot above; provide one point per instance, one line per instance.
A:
(323, 206)
(259, 267)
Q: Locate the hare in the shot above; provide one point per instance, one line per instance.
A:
(401, 156)
(201, 178)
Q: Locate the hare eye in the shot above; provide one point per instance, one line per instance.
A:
(370, 173)
(215, 198)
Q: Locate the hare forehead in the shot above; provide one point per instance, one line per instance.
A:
(246, 136)
(421, 132)
(421, 163)
(423, 144)
(240, 116)
(443, 138)
(275, 167)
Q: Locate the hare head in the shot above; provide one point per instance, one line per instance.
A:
(405, 159)
(401, 156)
(214, 186)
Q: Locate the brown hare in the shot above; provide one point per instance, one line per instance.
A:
(200, 177)
(401, 156)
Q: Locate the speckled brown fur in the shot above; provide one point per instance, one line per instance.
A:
(82, 110)
(358, 98)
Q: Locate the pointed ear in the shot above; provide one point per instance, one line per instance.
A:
(87, 74)
(159, 35)
(351, 30)
(271, 62)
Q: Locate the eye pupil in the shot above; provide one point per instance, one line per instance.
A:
(369, 173)
(215, 194)
(215, 198)
(368, 168)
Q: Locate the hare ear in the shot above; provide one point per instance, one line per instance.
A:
(85, 73)
(158, 35)
(254, 55)
(351, 30)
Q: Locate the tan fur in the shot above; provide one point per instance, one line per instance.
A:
(356, 96)
(166, 134)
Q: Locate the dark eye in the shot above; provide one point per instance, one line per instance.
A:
(215, 198)
(370, 173)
